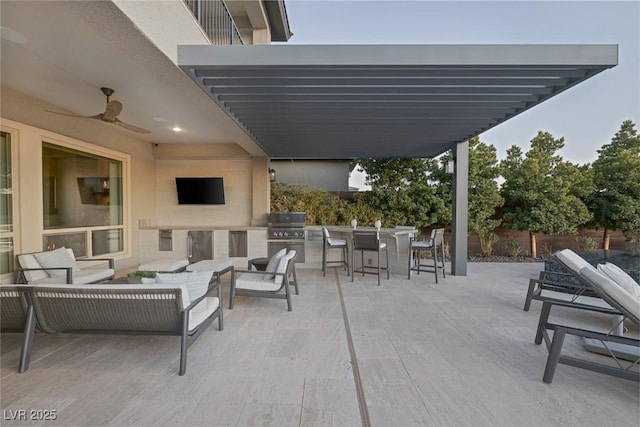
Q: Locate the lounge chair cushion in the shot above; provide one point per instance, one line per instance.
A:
(272, 266)
(56, 258)
(619, 276)
(615, 292)
(30, 261)
(197, 283)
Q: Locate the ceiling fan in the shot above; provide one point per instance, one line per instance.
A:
(110, 114)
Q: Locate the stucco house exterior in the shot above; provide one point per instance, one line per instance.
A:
(105, 189)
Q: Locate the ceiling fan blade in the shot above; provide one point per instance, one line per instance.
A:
(111, 112)
(130, 127)
(97, 116)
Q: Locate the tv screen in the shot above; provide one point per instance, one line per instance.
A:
(200, 191)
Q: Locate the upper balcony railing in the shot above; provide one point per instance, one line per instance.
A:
(216, 21)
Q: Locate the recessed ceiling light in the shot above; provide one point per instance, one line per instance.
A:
(176, 129)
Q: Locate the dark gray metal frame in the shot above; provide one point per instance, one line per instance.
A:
(554, 345)
(20, 278)
(551, 281)
(369, 241)
(277, 294)
(133, 314)
(326, 246)
(435, 242)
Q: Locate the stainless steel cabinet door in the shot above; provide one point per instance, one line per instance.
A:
(199, 245)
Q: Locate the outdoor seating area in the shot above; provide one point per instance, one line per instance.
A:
(425, 354)
(153, 309)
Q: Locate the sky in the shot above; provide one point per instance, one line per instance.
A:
(587, 115)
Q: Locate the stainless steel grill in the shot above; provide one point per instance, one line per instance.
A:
(286, 230)
(286, 226)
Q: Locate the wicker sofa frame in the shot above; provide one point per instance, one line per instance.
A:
(108, 309)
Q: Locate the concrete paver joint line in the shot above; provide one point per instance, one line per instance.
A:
(362, 402)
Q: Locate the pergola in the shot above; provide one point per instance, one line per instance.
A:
(411, 101)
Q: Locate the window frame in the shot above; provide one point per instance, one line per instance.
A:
(126, 225)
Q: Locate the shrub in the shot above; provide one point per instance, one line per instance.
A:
(513, 247)
(487, 240)
(586, 244)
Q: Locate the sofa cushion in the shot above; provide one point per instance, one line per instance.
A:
(619, 276)
(272, 266)
(210, 305)
(30, 261)
(56, 258)
(197, 283)
(167, 265)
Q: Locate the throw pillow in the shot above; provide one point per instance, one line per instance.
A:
(197, 283)
(282, 266)
(619, 276)
(56, 258)
(272, 266)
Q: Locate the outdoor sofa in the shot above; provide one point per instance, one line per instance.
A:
(61, 266)
(151, 309)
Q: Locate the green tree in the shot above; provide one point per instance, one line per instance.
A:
(615, 201)
(401, 189)
(542, 192)
(484, 194)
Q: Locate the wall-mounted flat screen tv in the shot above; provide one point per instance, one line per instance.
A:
(200, 191)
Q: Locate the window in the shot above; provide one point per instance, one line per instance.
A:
(82, 201)
(6, 205)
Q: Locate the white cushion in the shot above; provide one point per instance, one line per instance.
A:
(197, 282)
(272, 266)
(166, 265)
(282, 266)
(573, 261)
(210, 305)
(30, 261)
(619, 276)
(56, 258)
(255, 282)
(215, 265)
(627, 302)
(336, 242)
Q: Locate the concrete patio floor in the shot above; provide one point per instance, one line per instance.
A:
(457, 353)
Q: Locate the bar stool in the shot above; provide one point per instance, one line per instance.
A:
(330, 243)
(369, 241)
(433, 244)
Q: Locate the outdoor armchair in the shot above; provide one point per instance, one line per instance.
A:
(267, 284)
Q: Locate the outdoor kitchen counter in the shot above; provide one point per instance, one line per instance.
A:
(200, 227)
(398, 243)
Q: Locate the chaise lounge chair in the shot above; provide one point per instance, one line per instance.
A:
(622, 303)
